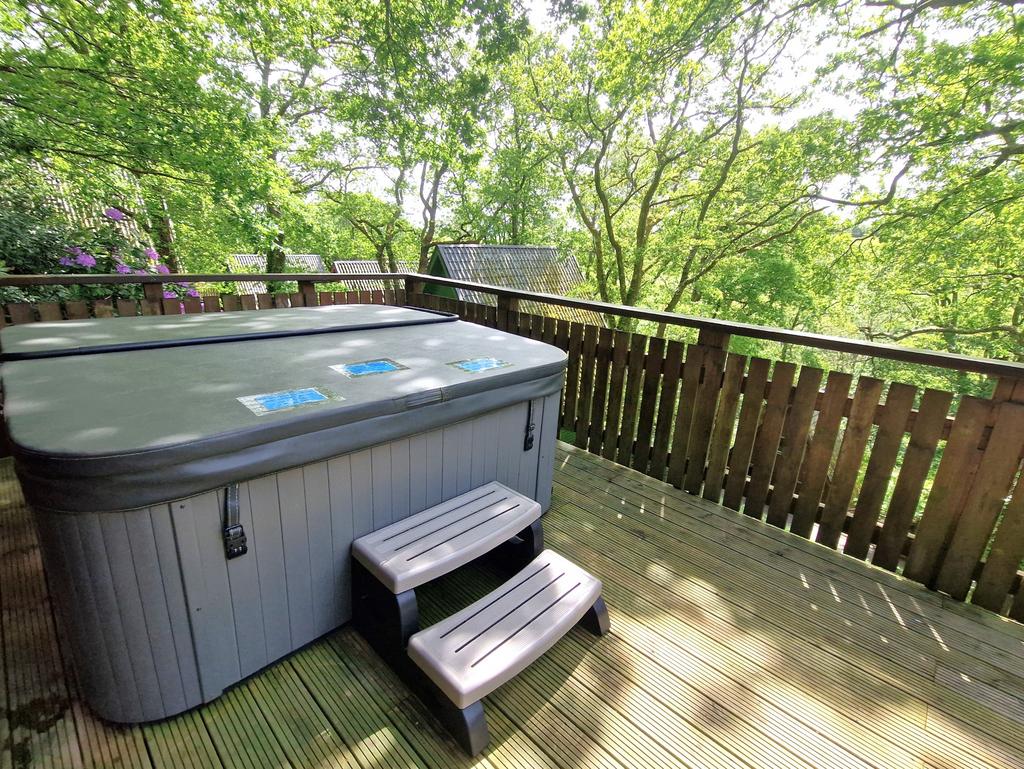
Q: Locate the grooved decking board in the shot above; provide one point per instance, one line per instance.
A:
(734, 644)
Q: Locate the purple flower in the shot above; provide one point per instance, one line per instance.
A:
(114, 213)
(86, 260)
(124, 269)
(162, 269)
(66, 261)
(170, 295)
(192, 292)
(152, 254)
(140, 272)
(75, 250)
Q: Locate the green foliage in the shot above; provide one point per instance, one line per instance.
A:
(678, 149)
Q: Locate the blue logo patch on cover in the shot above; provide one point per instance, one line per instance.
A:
(368, 367)
(476, 365)
(268, 403)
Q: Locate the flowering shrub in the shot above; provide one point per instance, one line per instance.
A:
(106, 249)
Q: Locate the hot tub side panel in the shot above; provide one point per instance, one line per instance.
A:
(160, 621)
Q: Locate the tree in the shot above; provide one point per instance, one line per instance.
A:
(651, 115)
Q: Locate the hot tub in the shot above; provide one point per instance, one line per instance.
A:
(137, 440)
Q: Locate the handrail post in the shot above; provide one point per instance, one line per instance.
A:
(154, 297)
(716, 339)
(413, 287)
(308, 290)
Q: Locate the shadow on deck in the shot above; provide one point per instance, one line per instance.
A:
(733, 644)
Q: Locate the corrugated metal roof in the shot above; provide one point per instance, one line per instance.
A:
(528, 268)
(356, 266)
(258, 263)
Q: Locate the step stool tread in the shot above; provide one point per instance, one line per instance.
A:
(473, 652)
(442, 538)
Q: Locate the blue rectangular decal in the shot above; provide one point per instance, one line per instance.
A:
(368, 367)
(267, 403)
(476, 365)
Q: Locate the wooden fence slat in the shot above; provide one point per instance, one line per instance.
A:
(891, 428)
(582, 423)
(297, 299)
(102, 308)
(264, 301)
(192, 305)
(377, 296)
(648, 402)
(794, 445)
(951, 484)
(766, 447)
(211, 302)
(598, 411)
(572, 374)
(326, 297)
(616, 386)
(248, 301)
(536, 327)
(524, 326)
(822, 446)
(746, 431)
(1003, 560)
(231, 303)
(684, 413)
(631, 401)
(550, 325)
(848, 463)
(172, 306)
(77, 309)
(666, 408)
(49, 311)
(21, 312)
(984, 501)
(917, 462)
(725, 423)
(703, 418)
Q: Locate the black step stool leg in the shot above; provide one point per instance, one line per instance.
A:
(521, 549)
(467, 725)
(596, 619)
(387, 621)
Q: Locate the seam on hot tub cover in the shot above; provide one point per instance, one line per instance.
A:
(116, 484)
(33, 337)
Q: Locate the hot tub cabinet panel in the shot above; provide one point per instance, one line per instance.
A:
(160, 620)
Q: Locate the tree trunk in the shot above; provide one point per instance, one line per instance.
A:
(276, 261)
(165, 238)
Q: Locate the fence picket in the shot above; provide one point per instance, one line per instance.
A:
(917, 461)
(794, 445)
(950, 487)
(766, 446)
(892, 426)
(851, 452)
(725, 423)
(746, 432)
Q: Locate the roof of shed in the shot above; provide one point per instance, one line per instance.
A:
(528, 268)
(356, 266)
(258, 263)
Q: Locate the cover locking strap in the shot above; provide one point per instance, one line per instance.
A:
(234, 535)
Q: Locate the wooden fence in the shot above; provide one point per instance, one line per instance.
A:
(917, 481)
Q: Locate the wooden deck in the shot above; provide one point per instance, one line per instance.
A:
(733, 644)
